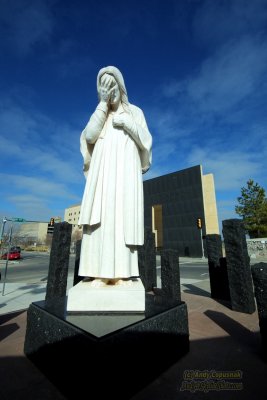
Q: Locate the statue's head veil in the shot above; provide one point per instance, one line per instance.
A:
(115, 72)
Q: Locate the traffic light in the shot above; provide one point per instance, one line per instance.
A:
(199, 223)
(50, 226)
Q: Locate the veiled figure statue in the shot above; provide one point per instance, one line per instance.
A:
(116, 147)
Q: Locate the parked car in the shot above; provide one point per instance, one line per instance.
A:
(16, 248)
(13, 255)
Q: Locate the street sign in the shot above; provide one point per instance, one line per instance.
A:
(18, 220)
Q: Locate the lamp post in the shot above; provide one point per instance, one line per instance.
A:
(2, 230)
(7, 258)
(199, 226)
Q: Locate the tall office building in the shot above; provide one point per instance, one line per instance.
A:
(174, 203)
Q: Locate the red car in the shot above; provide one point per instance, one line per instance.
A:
(13, 255)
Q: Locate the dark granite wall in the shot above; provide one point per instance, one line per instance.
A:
(181, 197)
(238, 266)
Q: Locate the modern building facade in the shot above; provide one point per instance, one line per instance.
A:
(172, 205)
(71, 216)
(32, 232)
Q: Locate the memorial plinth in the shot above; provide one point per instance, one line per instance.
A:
(116, 353)
(128, 297)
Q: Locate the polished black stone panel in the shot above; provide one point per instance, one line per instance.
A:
(147, 261)
(59, 261)
(238, 266)
(81, 359)
(170, 275)
(219, 284)
(259, 275)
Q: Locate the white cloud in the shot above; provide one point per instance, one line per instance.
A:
(40, 187)
(41, 165)
(231, 169)
(35, 198)
(216, 22)
(27, 141)
(25, 23)
(230, 75)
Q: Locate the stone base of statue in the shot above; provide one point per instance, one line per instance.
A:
(127, 296)
(111, 354)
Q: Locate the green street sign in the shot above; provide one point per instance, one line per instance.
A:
(18, 219)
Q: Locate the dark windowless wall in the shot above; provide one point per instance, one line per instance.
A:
(181, 197)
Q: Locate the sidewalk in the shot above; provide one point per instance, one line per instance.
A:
(220, 340)
(18, 296)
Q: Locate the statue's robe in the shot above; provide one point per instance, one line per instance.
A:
(112, 211)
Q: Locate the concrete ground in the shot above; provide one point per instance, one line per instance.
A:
(220, 340)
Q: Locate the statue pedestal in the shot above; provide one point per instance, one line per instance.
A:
(113, 354)
(85, 297)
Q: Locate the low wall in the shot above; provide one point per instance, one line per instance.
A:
(257, 247)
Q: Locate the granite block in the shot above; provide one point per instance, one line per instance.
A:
(170, 275)
(147, 261)
(219, 284)
(259, 275)
(238, 266)
(76, 277)
(59, 261)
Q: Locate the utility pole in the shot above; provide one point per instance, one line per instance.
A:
(2, 232)
(7, 258)
(3, 228)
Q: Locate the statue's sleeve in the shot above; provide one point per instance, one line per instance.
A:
(137, 128)
(96, 123)
(91, 133)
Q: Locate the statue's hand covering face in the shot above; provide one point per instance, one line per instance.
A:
(113, 77)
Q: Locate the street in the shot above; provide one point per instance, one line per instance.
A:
(33, 268)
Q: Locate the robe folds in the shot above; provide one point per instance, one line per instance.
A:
(112, 211)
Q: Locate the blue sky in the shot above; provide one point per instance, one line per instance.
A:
(198, 70)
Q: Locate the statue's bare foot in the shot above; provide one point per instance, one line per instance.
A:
(124, 282)
(97, 282)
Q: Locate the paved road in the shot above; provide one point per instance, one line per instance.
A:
(33, 268)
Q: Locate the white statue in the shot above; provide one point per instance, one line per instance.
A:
(116, 147)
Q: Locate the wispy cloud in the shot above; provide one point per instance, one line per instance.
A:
(38, 186)
(167, 123)
(40, 161)
(226, 78)
(230, 75)
(25, 24)
(221, 102)
(217, 22)
(231, 168)
(35, 197)
(34, 140)
(30, 207)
